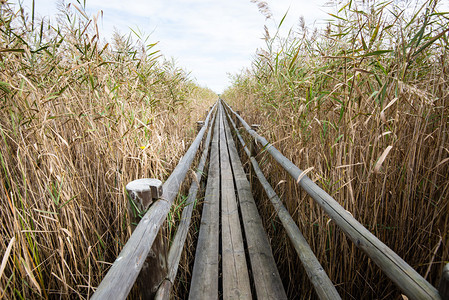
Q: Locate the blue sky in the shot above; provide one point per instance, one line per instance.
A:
(208, 38)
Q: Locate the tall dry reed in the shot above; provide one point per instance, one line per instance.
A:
(364, 102)
(79, 119)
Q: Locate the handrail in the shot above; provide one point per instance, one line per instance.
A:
(317, 276)
(123, 273)
(409, 281)
(174, 255)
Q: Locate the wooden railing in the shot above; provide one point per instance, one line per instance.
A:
(175, 252)
(123, 273)
(125, 270)
(406, 278)
(323, 286)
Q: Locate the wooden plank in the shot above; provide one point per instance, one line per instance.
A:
(123, 273)
(175, 252)
(204, 283)
(409, 281)
(236, 284)
(317, 276)
(267, 281)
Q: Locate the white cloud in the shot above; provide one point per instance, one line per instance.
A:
(208, 38)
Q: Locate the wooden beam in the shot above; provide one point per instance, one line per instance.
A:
(236, 284)
(177, 246)
(204, 283)
(267, 281)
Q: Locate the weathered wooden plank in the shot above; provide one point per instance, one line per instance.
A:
(175, 252)
(409, 281)
(267, 281)
(204, 283)
(317, 276)
(236, 284)
(121, 276)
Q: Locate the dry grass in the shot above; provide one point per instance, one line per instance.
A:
(78, 120)
(365, 103)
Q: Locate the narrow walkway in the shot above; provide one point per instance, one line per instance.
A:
(233, 259)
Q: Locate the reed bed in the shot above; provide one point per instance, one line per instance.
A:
(79, 119)
(363, 104)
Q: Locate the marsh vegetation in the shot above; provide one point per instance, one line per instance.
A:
(363, 106)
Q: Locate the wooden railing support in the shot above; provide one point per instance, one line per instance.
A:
(254, 146)
(236, 120)
(443, 289)
(141, 194)
(253, 150)
(199, 125)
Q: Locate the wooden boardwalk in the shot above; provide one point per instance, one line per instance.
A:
(231, 260)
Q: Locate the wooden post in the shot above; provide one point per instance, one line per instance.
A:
(199, 125)
(443, 289)
(254, 146)
(141, 194)
(236, 120)
(253, 150)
